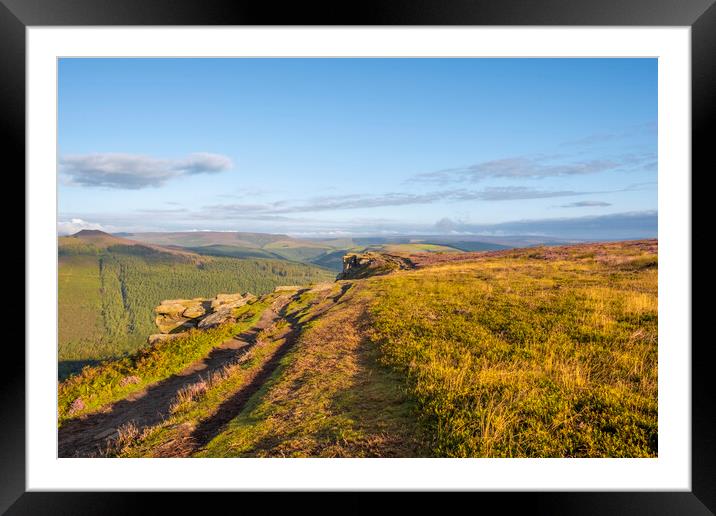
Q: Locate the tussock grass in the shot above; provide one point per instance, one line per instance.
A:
(528, 357)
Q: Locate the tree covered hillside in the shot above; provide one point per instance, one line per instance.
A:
(107, 293)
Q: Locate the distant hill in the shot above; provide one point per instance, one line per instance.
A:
(203, 238)
(236, 244)
(99, 238)
(92, 240)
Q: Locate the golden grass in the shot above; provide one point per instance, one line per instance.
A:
(525, 357)
(531, 353)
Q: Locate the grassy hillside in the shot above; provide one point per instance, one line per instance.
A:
(533, 353)
(541, 352)
(247, 245)
(107, 294)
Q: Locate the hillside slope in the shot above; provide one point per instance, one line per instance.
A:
(238, 244)
(540, 352)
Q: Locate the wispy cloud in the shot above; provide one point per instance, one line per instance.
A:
(515, 193)
(362, 201)
(537, 167)
(586, 204)
(132, 171)
(160, 211)
(609, 136)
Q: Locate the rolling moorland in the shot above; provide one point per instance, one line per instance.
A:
(535, 352)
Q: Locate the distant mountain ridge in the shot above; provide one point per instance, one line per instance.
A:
(324, 252)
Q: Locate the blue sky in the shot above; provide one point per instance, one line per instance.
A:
(359, 146)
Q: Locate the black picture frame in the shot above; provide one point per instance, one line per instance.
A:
(17, 15)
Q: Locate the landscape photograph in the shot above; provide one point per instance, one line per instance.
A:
(357, 258)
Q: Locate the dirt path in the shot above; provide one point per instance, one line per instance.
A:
(192, 440)
(88, 436)
(210, 427)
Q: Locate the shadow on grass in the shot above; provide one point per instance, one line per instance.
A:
(86, 436)
(381, 419)
(212, 426)
(379, 407)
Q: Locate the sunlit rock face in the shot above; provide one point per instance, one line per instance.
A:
(363, 265)
(175, 316)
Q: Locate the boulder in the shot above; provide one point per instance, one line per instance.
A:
(171, 308)
(364, 265)
(224, 299)
(168, 324)
(178, 306)
(194, 311)
(175, 316)
(214, 319)
(175, 313)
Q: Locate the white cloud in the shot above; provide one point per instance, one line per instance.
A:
(132, 171)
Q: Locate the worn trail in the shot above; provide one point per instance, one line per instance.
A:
(194, 439)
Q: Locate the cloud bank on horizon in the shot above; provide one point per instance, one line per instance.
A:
(369, 146)
(619, 226)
